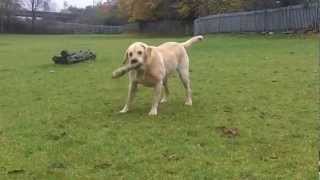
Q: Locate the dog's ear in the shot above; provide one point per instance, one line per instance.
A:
(147, 50)
(125, 58)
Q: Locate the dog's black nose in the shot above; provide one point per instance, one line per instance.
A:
(133, 61)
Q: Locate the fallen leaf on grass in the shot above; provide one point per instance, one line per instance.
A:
(171, 157)
(170, 172)
(276, 116)
(57, 165)
(229, 132)
(262, 115)
(227, 109)
(57, 136)
(274, 156)
(201, 144)
(104, 165)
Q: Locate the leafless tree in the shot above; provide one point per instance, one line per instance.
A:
(65, 5)
(2, 14)
(49, 5)
(34, 6)
(7, 7)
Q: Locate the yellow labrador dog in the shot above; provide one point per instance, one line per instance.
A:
(157, 63)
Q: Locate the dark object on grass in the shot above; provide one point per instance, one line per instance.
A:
(228, 132)
(16, 171)
(74, 57)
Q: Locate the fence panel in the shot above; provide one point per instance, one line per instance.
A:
(279, 19)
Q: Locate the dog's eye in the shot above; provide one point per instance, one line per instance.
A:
(130, 54)
(139, 52)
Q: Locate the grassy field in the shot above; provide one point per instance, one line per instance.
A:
(254, 113)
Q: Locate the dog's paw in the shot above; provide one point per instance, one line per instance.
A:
(188, 103)
(153, 113)
(124, 110)
(163, 100)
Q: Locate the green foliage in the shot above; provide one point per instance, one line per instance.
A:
(141, 10)
(188, 9)
(62, 122)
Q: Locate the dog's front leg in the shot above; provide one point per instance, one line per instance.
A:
(156, 99)
(165, 92)
(131, 93)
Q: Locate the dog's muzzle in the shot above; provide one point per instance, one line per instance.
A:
(134, 61)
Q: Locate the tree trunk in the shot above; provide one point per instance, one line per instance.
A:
(8, 16)
(33, 10)
(33, 21)
(1, 18)
(4, 15)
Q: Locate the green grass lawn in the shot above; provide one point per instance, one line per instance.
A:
(62, 122)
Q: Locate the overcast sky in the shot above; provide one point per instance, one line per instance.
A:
(77, 3)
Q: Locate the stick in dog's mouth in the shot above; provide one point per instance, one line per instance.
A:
(125, 69)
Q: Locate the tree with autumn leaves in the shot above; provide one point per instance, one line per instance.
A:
(139, 10)
(146, 10)
(115, 12)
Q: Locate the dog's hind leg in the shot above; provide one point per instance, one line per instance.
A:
(183, 72)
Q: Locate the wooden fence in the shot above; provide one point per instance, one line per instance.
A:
(161, 27)
(55, 27)
(81, 28)
(290, 18)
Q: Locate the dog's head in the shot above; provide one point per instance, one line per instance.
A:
(137, 53)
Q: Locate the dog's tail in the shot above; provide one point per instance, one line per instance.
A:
(195, 39)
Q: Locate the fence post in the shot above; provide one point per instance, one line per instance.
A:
(317, 16)
(219, 23)
(255, 20)
(285, 18)
(1, 24)
(265, 21)
(240, 23)
(196, 27)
